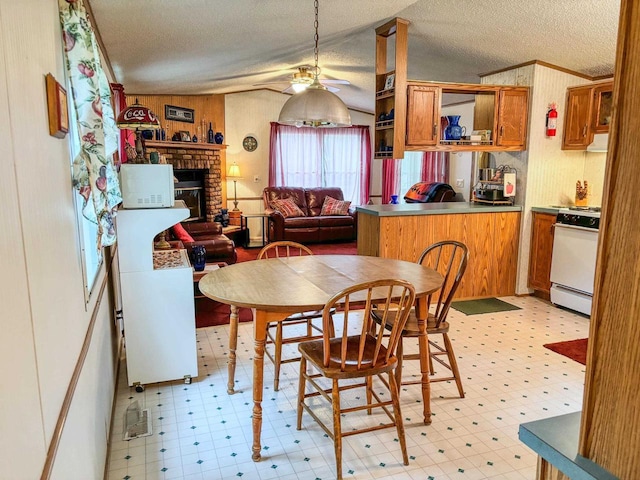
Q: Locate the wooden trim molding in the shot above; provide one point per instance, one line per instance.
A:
(610, 414)
(548, 65)
(73, 383)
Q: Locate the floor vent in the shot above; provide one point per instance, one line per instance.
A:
(136, 422)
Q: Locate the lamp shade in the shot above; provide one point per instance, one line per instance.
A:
(234, 171)
(136, 117)
(315, 107)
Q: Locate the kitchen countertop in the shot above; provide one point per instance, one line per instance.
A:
(556, 440)
(552, 209)
(443, 208)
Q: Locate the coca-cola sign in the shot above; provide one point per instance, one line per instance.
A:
(137, 114)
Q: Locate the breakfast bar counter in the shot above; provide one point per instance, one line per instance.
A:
(491, 233)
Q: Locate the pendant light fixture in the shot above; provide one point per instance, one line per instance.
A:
(315, 106)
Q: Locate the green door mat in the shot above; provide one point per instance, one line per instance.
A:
(483, 305)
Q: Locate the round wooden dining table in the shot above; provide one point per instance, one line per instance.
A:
(278, 287)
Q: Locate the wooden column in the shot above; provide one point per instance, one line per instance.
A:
(610, 429)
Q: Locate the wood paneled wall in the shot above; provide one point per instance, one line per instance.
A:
(492, 239)
(209, 108)
(610, 429)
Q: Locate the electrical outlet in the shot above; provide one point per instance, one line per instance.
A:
(460, 183)
(256, 178)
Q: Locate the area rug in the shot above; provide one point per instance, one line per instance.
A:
(483, 305)
(574, 349)
(210, 313)
(347, 248)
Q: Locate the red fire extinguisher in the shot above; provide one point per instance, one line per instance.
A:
(552, 118)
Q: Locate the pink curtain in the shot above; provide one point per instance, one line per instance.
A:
(309, 157)
(120, 102)
(390, 178)
(435, 167)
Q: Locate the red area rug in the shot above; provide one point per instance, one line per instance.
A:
(574, 349)
(348, 248)
(210, 313)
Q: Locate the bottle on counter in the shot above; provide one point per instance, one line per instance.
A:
(210, 136)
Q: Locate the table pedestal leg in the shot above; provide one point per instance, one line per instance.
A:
(422, 312)
(233, 344)
(259, 336)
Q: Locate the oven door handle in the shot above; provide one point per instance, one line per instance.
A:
(575, 227)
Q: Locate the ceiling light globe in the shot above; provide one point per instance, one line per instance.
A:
(315, 107)
(299, 87)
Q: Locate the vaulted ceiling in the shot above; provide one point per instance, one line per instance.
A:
(222, 46)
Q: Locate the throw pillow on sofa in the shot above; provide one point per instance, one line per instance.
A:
(181, 234)
(287, 207)
(332, 206)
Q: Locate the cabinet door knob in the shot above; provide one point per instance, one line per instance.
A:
(435, 129)
(501, 130)
(584, 131)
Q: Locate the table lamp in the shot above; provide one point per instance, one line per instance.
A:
(234, 172)
(137, 118)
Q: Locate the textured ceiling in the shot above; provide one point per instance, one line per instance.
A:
(221, 46)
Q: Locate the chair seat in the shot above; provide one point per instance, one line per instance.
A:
(313, 352)
(411, 327)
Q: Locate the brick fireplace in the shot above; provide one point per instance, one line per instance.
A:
(199, 156)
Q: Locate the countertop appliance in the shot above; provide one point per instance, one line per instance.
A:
(573, 262)
(147, 185)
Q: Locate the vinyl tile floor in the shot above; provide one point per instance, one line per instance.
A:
(202, 433)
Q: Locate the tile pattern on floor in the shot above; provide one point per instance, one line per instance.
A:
(200, 432)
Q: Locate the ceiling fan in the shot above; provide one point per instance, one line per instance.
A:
(302, 78)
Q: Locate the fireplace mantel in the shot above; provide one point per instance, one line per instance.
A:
(185, 145)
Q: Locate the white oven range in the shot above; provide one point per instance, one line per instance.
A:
(573, 261)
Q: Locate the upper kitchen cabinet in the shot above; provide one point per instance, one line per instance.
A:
(588, 111)
(577, 134)
(423, 115)
(512, 118)
(500, 117)
(602, 104)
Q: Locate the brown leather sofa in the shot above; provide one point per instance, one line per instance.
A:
(218, 246)
(313, 227)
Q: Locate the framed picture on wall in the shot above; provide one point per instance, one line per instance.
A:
(57, 106)
(179, 114)
(389, 81)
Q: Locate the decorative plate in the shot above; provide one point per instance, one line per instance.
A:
(250, 143)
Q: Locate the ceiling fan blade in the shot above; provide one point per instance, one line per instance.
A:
(335, 81)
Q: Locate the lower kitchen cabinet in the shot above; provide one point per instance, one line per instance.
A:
(541, 249)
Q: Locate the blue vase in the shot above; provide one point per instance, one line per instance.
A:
(219, 138)
(453, 130)
(394, 200)
(198, 257)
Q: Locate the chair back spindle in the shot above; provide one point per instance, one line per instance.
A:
(450, 259)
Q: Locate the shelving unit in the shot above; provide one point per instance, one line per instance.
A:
(157, 299)
(416, 106)
(390, 132)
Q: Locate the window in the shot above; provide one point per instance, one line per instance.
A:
(322, 157)
(410, 172)
(91, 259)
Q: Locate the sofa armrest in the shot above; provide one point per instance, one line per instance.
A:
(220, 249)
(196, 229)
